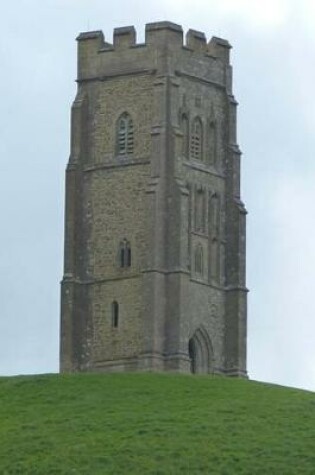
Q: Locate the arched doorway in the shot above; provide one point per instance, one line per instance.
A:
(192, 355)
(200, 352)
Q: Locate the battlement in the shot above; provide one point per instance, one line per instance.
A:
(92, 44)
(155, 34)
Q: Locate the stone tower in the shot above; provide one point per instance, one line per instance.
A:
(154, 273)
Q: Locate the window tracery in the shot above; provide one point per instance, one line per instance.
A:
(124, 253)
(125, 136)
(196, 139)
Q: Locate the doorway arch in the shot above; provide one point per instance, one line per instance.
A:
(200, 352)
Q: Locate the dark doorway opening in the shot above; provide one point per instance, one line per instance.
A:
(200, 352)
(192, 355)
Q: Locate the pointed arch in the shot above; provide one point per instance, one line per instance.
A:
(200, 352)
(124, 253)
(199, 260)
(124, 135)
(196, 139)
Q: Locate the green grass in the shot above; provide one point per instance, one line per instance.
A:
(153, 424)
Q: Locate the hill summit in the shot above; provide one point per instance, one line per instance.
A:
(153, 424)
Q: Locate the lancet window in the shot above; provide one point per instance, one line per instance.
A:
(125, 136)
(199, 260)
(124, 254)
(196, 139)
(115, 314)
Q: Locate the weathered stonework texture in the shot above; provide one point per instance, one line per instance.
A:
(154, 274)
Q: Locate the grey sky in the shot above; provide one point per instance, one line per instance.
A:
(274, 71)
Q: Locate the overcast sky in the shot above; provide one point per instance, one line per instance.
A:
(274, 73)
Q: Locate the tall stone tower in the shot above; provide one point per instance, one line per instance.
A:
(154, 273)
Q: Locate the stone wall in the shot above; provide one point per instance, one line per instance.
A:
(171, 199)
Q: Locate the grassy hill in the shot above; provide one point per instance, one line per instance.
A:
(153, 424)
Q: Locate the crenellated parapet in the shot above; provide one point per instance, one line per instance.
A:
(98, 57)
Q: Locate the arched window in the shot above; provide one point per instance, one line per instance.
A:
(124, 135)
(196, 139)
(199, 260)
(124, 253)
(185, 130)
(115, 314)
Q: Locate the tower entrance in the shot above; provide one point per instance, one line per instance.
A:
(192, 355)
(200, 352)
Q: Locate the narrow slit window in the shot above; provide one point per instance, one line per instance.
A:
(115, 314)
(125, 136)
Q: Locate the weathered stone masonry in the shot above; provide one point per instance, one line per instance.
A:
(154, 272)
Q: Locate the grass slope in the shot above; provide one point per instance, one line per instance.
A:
(153, 424)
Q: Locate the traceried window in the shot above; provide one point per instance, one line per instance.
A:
(198, 260)
(124, 135)
(115, 314)
(185, 130)
(196, 139)
(124, 253)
